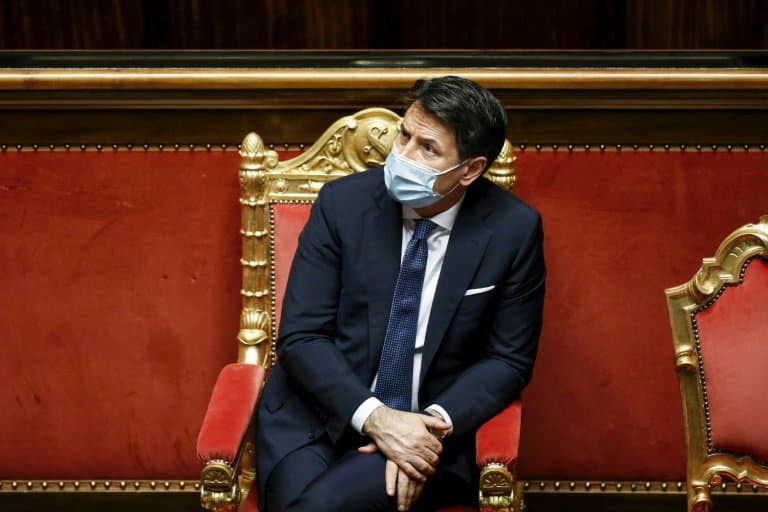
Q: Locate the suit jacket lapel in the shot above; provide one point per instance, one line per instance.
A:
(466, 246)
(382, 246)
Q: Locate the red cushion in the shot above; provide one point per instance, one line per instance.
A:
(734, 347)
(499, 438)
(289, 221)
(229, 412)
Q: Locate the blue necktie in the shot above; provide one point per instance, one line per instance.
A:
(393, 384)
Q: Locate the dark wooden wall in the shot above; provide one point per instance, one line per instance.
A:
(379, 24)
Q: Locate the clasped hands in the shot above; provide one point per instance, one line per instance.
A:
(412, 452)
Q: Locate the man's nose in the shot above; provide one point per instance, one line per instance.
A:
(408, 149)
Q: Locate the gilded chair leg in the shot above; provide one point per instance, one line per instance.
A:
(699, 499)
(219, 490)
(247, 468)
(499, 492)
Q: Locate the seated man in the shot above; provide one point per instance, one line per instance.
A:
(411, 316)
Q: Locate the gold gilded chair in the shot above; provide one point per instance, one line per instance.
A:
(276, 197)
(720, 333)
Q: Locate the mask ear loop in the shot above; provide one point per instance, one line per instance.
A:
(447, 171)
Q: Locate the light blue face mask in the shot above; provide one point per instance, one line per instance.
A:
(412, 183)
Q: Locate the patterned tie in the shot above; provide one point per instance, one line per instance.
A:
(393, 384)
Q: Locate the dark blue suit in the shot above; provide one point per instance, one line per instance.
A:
(479, 349)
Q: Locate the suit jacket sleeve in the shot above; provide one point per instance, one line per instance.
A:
(305, 346)
(504, 369)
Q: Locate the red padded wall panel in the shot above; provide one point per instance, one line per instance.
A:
(120, 291)
(619, 228)
(120, 277)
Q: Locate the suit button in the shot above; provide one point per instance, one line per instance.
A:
(312, 435)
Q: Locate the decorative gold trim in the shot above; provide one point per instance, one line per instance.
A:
(145, 486)
(255, 326)
(629, 487)
(381, 78)
(499, 489)
(704, 467)
(99, 147)
(645, 147)
(98, 485)
(279, 147)
(220, 489)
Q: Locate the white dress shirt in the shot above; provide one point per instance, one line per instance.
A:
(437, 243)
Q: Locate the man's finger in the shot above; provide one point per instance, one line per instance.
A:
(422, 466)
(402, 490)
(369, 448)
(432, 458)
(432, 422)
(419, 488)
(411, 490)
(390, 477)
(411, 471)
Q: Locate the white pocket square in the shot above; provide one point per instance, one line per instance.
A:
(475, 291)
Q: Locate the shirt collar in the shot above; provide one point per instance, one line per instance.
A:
(444, 219)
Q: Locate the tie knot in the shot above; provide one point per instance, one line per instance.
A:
(423, 227)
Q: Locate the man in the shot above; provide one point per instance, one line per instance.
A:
(411, 316)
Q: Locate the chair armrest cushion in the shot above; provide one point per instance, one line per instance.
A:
(498, 439)
(230, 410)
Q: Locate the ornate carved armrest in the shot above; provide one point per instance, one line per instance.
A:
(497, 446)
(224, 435)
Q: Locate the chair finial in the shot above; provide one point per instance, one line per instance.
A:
(252, 145)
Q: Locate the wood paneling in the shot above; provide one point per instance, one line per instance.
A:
(303, 125)
(374, 24)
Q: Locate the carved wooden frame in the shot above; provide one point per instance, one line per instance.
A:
(351, 144)
(705, 467)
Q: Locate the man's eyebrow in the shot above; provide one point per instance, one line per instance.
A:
(422, 139)
(428, 140)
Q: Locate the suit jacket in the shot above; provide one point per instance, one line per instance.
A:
(479, 349)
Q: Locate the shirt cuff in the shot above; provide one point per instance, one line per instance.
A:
(442, 412)
(363, 411)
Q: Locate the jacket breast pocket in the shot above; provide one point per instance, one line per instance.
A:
(475, 307)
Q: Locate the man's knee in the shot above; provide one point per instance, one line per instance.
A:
(324, 498)
(355, 483)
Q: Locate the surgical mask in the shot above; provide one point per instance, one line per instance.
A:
(412, 183)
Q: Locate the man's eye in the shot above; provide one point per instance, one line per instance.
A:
(429, 149)
(404, 136)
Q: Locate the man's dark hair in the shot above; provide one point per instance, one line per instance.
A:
(471, 112)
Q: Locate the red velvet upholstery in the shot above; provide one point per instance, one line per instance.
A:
(119, 285)
(230, 409)
(619, 226)
(499, 438)
(289, 221)
(734, 346)
(120, 306)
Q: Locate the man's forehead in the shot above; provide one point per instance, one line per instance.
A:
(419, 121)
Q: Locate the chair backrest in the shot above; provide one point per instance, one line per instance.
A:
(276, 197)
(720, 330)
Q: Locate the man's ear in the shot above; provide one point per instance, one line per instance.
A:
(475, 168)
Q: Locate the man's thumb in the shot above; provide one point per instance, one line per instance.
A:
(433, 422)
(369, 448)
